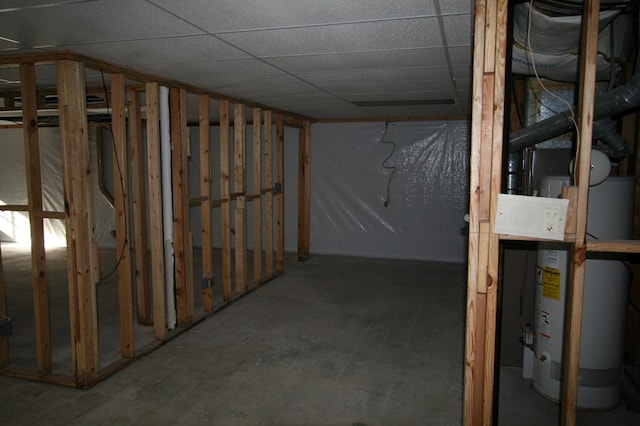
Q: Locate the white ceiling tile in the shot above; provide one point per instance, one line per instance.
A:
(358, 37)
(463, 72)
(310, 57)
(375, 75)
(415, 111)
(237, 70)
(461, 55)
(198, 48)
(76, 23)
(10, 5)
(234, 15)
(456, 6)
(402, 96)
(457, 29)
(344, 90)
(361, 60)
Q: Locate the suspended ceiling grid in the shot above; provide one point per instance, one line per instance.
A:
(321, 59)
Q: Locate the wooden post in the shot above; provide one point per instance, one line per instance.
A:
(155, 212)
(575, 290)
(304, 190)
(139, 209)
(225, 205)
(76, 177)
(181, 229)
(34, 193)
(205, 206)
(120, 183)
(240, 188)
(257, 190)
(268, 182)
(280, 192)
(486, 169)
(476, 302)
(497, 92)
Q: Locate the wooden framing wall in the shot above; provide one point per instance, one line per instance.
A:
(485, 169)
(133, 102)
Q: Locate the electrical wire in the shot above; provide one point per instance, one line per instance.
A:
(387, 200)
(120, 179)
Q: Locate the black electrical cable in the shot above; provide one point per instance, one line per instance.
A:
(387, 200)
(120, 178)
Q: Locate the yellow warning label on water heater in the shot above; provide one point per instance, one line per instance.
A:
(551, 283)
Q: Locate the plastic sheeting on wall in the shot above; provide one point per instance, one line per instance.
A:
(13, 189)
(428, 194)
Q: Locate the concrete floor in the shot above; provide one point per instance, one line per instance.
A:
(333, 341)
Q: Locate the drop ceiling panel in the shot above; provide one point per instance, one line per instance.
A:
(314, 57)
(198, 48)
(401, 96)
(414, 111)
(361, 60)
(233, 15)
(90, 22)
(215, 73)
(456, 6)
(461, 55)
(358, 37)
(457, 29)
(8, 5)
(345, 90)
(376, 75)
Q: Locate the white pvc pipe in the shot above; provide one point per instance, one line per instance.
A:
(167, 207)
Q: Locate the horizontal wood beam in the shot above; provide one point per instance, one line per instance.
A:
(614, 246)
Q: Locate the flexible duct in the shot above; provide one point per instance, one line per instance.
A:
(616, 101)
(612, 143)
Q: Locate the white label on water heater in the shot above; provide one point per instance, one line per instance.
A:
(536, 217)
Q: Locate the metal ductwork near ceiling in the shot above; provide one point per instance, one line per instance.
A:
(559, 61)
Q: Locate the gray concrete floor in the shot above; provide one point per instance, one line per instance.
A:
(333, 341)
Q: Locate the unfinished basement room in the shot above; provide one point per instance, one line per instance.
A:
(336, 212)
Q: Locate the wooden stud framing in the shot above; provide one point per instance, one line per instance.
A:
(139, 209)
(575, 288)
(76, 169)
(34, 191)
(268, 182)
(120, 181)
(240, 188)
(474, 338)
(486, 163)
(133, 211)
(225, 206)
(155, 211)
(181, 229)
(486, 138)
(280, 192)
(205, 207)
(304, 190)
(257, 189)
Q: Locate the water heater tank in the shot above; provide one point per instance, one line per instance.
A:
(601, 370)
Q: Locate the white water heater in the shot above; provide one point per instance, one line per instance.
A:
(601, 369)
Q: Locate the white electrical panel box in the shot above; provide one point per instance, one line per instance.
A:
(536, 217)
